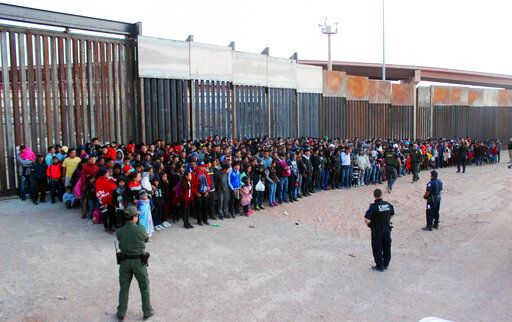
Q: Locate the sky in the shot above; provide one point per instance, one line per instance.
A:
(467, 35)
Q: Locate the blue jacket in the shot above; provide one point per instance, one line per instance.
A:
(234, 179)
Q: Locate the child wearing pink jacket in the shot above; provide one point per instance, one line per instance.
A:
(246, 196)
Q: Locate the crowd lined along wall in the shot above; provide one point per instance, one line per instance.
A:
(58, 87)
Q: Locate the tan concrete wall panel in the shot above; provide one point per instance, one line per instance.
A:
(379, 92)
(459, 96)
(334, 84)
(211, 62)
(424, 96)
(402, 94)
(163, 58)
(282, 73)
(505, 98)
(250, 69)
(441, 95)
(357, 87)
(476, 97)
(309, 79)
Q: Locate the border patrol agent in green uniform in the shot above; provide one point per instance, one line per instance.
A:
(133, 261)
(416, 159)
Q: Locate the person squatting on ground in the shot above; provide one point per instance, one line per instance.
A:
(377, 218)
(433, 197)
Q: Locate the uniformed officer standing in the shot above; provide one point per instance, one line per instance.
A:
(132, 261)
(392, 162)
(378, 217)
(416, 159)
(433, 197)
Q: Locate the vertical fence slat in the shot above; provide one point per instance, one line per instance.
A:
(84, 113)
(78, 109)
(42, 135)
(49, 120)
(31, 103)
(9, 128)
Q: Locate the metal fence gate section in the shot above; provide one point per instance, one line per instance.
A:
(282, 103)
(165, 112)
(212, 108)
(251, 111)
(309, 114)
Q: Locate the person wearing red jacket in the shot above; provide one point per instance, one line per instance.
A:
(105, 187)
(201, 185)
(54, 174)
(185, 198)
(109, 153)
(88, 169)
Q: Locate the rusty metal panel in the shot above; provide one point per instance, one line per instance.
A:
(85, 115)
(40, 117)
(70, 108)
(54, 74)
(18, 136)
(8, 105)
(98, 93)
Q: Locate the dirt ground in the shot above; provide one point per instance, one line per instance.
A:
(310, 264)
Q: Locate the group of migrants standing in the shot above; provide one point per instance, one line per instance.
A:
(140, 188)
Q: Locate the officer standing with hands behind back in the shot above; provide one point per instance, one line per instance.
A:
(133, 261)
(433, 197)
(378, 217)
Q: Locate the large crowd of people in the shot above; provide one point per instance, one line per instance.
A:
(219, 178)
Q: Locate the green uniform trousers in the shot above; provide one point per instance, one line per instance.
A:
(415, 167)
(127, 269)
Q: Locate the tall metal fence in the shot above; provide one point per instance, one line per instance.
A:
(66, 88)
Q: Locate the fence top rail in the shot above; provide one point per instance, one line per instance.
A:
(60, 34)
(65, 20)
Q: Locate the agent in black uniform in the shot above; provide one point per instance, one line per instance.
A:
(378, 217)
(433, 197)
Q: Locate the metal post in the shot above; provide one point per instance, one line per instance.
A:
(329, 60)
(383, 44)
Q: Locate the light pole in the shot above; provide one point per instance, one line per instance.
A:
(383, 44)
(329, 29)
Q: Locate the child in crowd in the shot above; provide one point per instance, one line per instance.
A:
(90, 195)
(54, 174)
(185, 198)
(69, 198)
(158, 206)
(144, 207)
(272, 181)
(40, 180)
(246, 196)
(121, 198)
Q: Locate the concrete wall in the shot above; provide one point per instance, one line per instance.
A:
(211, 62)
(379, 92)
(250, 69)
(170, 59)
(163, 58)
(464, 96)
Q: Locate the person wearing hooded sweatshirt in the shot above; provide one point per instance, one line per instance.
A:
(201, 184)
(119, 157)
(105, 187)
(144, 207)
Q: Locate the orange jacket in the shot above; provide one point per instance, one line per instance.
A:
(54, 171)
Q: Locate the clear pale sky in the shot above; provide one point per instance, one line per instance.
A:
(468, 35)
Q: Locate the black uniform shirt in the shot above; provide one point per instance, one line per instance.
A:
(379, 213)
(435, 187)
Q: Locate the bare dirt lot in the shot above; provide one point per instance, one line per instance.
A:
(311, 264)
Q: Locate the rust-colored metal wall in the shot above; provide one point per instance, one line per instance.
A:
(62, 88)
